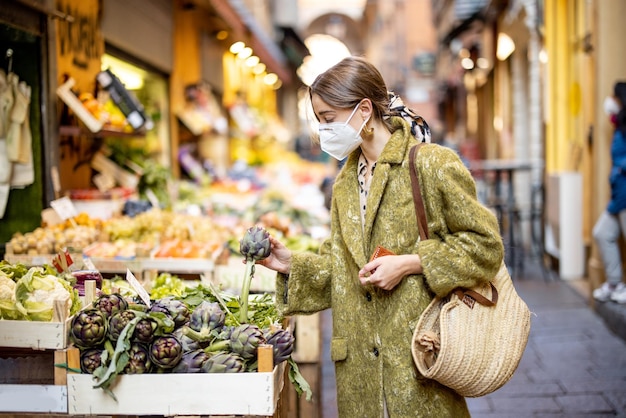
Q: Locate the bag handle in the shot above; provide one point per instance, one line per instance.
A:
(422, 224)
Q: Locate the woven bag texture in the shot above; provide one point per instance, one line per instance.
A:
(480, 347)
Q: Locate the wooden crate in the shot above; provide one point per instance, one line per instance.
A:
(24, 396)
(34, 334)
(308, 345)
(179, 394)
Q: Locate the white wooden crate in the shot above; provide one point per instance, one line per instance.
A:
(33, 398)
(179, 394)
(34, 334)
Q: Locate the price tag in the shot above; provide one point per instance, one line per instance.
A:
(89, 265)
(64, 208)
(130, 278)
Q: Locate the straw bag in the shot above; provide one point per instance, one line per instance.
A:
(472, 340)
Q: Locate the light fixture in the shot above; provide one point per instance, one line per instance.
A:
(482, 63)
(259, 68)
(506, 46)
(467, 63)
(270, 79)
(245, 53)
(221, 35)
(252, 61)
(237, 47)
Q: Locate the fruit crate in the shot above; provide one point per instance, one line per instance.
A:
(35, 335)
(179, 394)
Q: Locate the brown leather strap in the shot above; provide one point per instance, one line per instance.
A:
(422, 224)
(420, 212)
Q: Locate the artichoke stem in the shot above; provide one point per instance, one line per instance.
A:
(195, 335)
(223, 345)
(245, 291)
(108, 345)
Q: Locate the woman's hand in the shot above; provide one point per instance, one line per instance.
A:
(279, 259)
(388, 271)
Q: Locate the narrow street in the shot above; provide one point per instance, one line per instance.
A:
(574, 366)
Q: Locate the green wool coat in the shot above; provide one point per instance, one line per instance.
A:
(373, 328)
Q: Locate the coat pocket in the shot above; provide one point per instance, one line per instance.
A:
(338, 349)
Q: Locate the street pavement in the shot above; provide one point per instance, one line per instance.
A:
(574, 365)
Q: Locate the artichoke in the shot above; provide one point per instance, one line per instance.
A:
(90, 359)
(118, 321)
(166, 351)
(245, 340)
(282, 342)
(255, 245)
(174, 308)
(144, 330)
(139, 359)
(191, 362)
(223, 362)
(88, 328)
(110, 304)
(204, 319)
(189, 344)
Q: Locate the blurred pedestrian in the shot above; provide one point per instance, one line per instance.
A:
(612, 222)
(376, 303)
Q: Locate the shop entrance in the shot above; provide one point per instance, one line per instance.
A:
(20, 57)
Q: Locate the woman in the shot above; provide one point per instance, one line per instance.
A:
(376, 304)
(612, 222)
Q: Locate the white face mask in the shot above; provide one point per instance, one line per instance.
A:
(339, 139)
(611, 107)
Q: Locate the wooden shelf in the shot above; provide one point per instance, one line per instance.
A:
(79, 131)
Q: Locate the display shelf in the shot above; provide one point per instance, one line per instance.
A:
(163, 394)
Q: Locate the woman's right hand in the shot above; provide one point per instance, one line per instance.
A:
(279, 259)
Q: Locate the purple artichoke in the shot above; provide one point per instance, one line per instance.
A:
(191, 362)
(166, 351)
(255, 244)
(90, 360)
(245, 340)
(110, 304)
(144, 330)
(139, 359)
(88, 328)
(282, 342)
(205, 318)
(118, 322)
(174, 308)
(223, 362)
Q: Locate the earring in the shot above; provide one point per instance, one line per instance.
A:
(367, 130)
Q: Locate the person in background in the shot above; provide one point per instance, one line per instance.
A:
(612, 222)
(376, 303)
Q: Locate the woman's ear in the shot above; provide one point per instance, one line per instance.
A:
(366, 109)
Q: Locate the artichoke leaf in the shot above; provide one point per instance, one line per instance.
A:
(106, 374)
(298, 381)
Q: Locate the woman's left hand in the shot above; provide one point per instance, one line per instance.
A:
(388, 271)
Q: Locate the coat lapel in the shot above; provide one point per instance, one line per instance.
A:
(392, 154)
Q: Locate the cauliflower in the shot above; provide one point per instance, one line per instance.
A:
(37, 291)
(8, 310)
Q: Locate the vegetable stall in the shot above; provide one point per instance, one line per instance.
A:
(159, 344)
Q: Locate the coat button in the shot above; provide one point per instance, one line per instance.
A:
(375, 351)
(368, 295)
